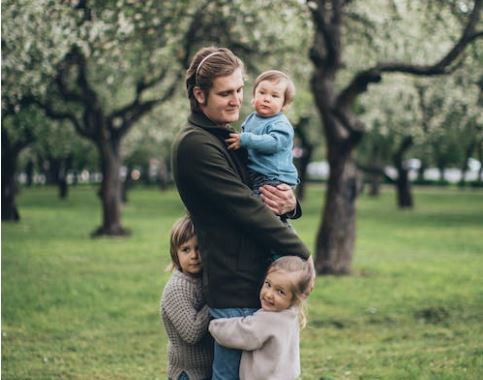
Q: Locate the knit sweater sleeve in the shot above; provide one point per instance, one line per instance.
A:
(243, 333)
(191, 324)
(279, 136)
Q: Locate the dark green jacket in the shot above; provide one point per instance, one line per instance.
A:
(236, 231)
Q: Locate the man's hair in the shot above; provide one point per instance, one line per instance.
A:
(207, 64)
(181, 232)
(276, 77)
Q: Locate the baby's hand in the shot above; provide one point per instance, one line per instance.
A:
(234, 141)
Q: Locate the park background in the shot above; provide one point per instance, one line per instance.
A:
(388, 94)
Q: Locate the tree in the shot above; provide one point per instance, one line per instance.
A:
(343, 129)
(103, 65)
(17, 134)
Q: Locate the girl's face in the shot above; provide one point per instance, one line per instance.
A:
(276, 293)
(189, 257)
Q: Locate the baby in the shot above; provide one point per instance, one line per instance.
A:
(267, 134)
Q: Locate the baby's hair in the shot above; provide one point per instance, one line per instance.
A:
(182, 231)
(302, 274)
(277, 76)
(208, 64)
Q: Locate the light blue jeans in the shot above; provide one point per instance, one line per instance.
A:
(226, 362)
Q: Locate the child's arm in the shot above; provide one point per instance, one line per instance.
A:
(191, 324)
(280, 136)
(242, 333)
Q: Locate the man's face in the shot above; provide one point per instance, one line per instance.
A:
(224, 99)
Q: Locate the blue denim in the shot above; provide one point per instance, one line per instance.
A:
(226, 362)
(257, 180)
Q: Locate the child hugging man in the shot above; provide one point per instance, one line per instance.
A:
(183, 309)
(267, 133)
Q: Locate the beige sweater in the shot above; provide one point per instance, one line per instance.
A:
(185, 317)
(269, 340)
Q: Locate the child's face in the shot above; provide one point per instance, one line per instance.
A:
(189, 257)
(276, 293)
(269, 97)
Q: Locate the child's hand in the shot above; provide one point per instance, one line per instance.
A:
(234, 141)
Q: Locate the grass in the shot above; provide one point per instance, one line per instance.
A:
(78, 308)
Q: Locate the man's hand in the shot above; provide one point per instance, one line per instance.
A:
(233, 141)
(279, 199)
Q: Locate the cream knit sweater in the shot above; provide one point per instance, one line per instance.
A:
(185, 317)
(269, 340)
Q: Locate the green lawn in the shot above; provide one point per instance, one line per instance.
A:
(76, 308)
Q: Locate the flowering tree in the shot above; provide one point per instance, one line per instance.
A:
(104, 65)
(334, 22)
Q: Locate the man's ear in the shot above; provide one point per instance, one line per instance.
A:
(199, 95)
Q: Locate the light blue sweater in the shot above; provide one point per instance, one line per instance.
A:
(269, 141)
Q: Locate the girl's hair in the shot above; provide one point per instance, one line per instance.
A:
(207, 64)
(302, 275)
(182, 231)
(277, 76)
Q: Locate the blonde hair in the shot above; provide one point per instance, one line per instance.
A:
(207, 64)
(182, 231)
(276, 77)
(302, 280)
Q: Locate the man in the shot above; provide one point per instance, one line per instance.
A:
(236, 231)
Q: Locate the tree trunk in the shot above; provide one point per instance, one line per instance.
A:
(374, 177)
(403, 189)
(126, 185)
(307, 149)
(29, 171)
(110, 191)
(57, 174)
(441, 172)
(9, 185)
(403, 185)
(303, 162)
(421, 171)
(464, 167)
(374, 185)
(336, 236)
(479, 180)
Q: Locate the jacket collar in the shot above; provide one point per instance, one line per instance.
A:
(199, 119)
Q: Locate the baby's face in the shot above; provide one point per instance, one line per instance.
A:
(276, 293)
(269, 97)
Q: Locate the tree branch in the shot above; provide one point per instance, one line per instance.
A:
(63, 115)
(360, 82)
(326, 52)
(133, 111)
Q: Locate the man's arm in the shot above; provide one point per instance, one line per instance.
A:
(203, 165)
